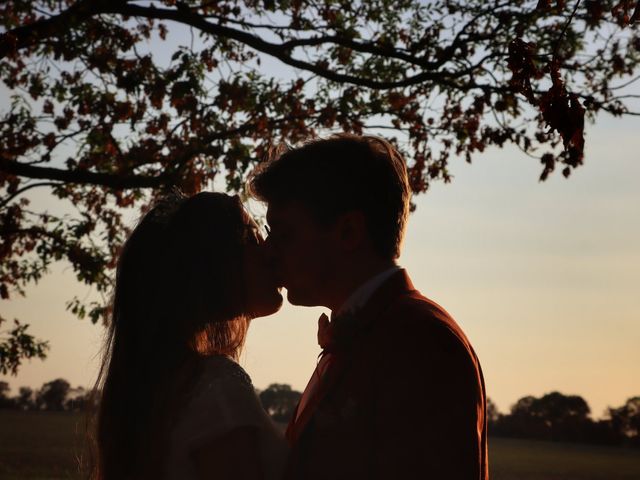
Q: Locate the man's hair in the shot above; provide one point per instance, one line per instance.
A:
(338, 174)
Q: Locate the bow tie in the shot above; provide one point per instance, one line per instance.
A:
(325, 332)
(336, 332)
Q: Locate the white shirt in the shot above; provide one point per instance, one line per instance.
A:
(356, 300)
(362, 294)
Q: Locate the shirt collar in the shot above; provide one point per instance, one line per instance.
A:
(362, 294)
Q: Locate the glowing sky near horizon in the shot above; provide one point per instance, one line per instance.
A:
(543, 277)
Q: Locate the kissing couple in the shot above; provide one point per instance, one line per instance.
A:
(397, 392)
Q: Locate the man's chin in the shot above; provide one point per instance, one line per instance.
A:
(297, 298)
(276, 306)
(278, 300)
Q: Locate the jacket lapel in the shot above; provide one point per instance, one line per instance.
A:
(397, 285)
(329, 379)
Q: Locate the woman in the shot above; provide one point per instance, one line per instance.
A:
(174, 403)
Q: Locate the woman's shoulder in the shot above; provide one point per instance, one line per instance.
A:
(221, 383)
(217, 369)
(222, 403)
(221, 397)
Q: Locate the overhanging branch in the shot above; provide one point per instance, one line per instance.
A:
(118, 182)
(31, 34)
(279, 51)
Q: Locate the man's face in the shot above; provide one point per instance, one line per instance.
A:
(303, 253)
(262, 296)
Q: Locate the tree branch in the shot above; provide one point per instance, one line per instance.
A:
(118, 182)
(20, 191)
(279, 51)
(31, 34)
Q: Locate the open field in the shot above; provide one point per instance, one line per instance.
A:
(44, 445)
(39, 445)
(512, 459)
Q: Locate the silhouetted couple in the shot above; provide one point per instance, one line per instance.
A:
(397, 392)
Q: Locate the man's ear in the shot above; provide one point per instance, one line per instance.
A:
(351, 230)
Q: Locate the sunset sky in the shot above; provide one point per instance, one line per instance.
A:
(543, 277)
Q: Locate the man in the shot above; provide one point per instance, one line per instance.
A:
(398, 391)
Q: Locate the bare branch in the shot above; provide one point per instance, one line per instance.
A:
(20, 191)
(280, 51)
(118, 182)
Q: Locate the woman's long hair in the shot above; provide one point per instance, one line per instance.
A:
(178, 296)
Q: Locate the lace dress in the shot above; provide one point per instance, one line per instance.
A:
(223, 399)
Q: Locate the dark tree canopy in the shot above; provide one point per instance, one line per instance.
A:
(25, 398)
(553, 416)
(5, 400)
(279, 401)
(56, 395)
(16, 344)
(112, 102)
(492, 412)
(53, 395)
(559, 417)
(4, 390)
(626, 419)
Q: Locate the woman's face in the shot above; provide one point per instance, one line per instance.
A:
(261, 286)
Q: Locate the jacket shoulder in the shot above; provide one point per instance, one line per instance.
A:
(425, 318)
(418, 333)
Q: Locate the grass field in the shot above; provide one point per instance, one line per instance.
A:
(42, 445)
(511, 459)
(39, 445)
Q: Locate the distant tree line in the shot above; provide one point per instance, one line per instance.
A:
(551, 417)
(566, 418)
(279, 400)
(56, 395)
